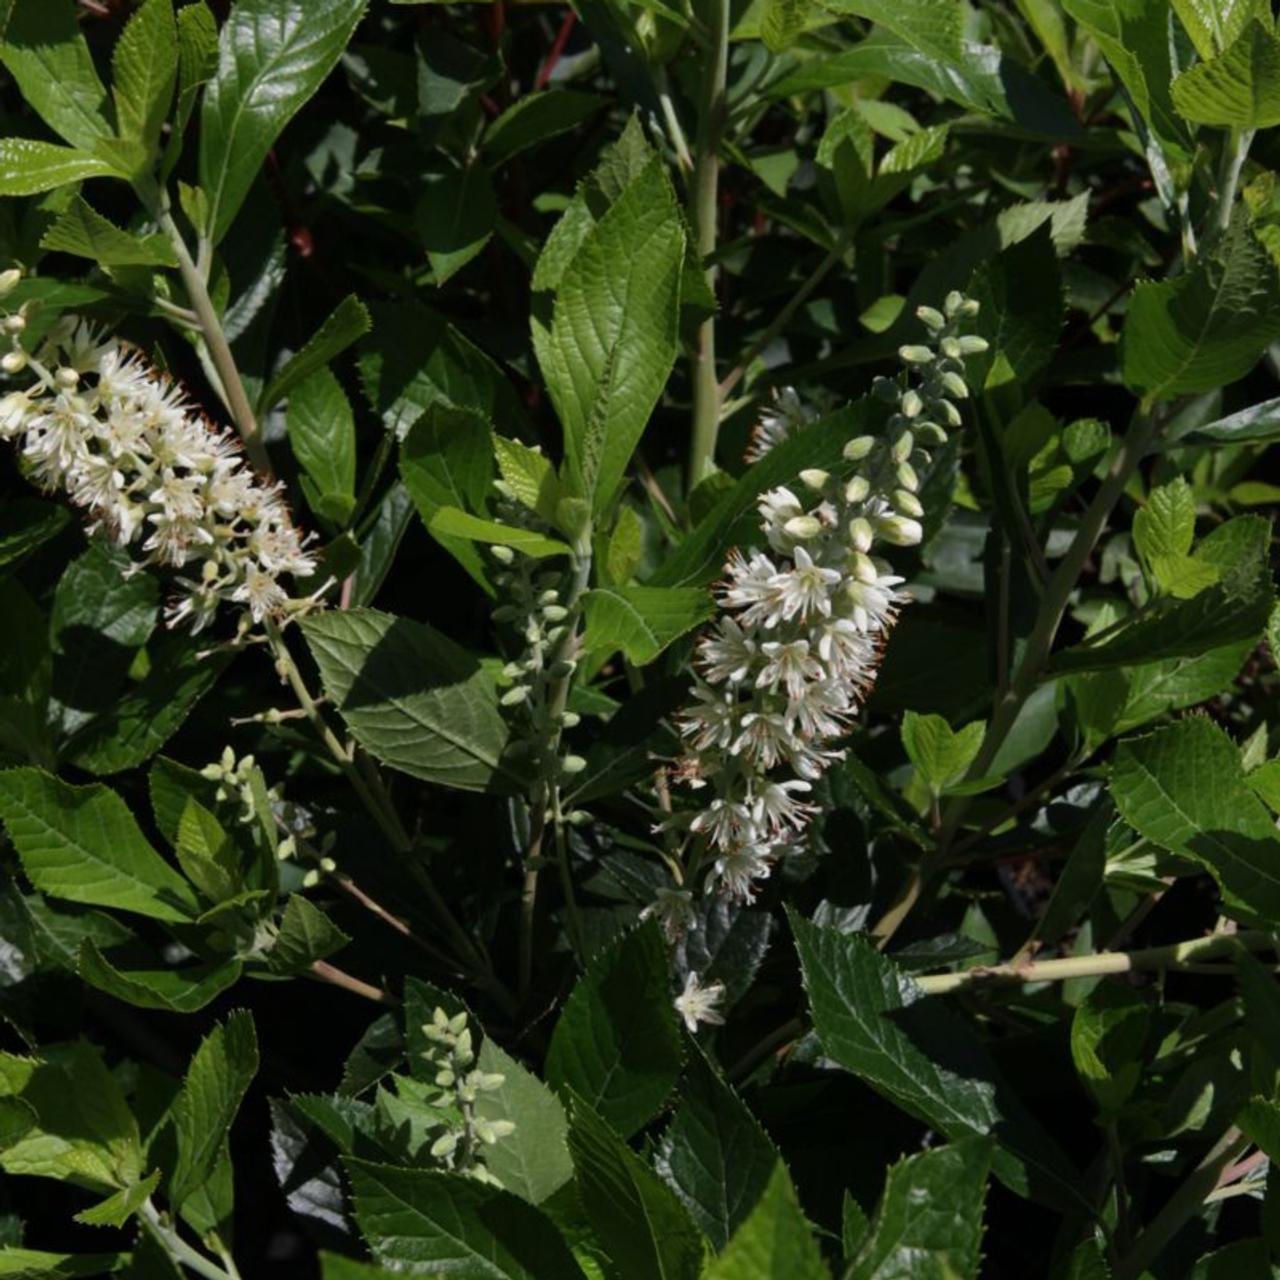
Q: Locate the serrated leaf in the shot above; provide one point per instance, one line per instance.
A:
(83, 844)
(533, 1162)
(48, 57)
(923, 1057)
(347, 323)
(118, 1208)
(82, 230)
(642, 621)
(1166, 526)
(28, 166)
(774, 1243)
(616, 1044)
(1184, 789)
(144, 71)
(423, 1221)
(530, 475)
(645, 1230)
(179, 990)
(413, 699)
(929, 1222)
(610, 340)
(220, 1072)
(782, 21)
(1239, 89)
(306, 935)
(206, 853)
(1213, 25)
(451, 522)
(272, 57)
(322, 435)
(1207, 327)
(714, 1154)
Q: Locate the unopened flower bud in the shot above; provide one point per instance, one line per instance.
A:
(950, 347)
(908, 504)
(502, 554)
(907, 477)
(858, 448)
(912, 405)
(955, 385)
(572, 764)
(857, 489)
(972, 345)
(570, 719)
(515, 696)
(932, 317)
(915, 354)
(950, 413)
(930, 433)
(9, 280)
(15, 323)
(13, 361)
(902, 447)
(953, 302)
(549, 597)
(901, 531)
(970, 307)
(864, 568)
(803, 527)
(815, 478)
(555, 612)
(861, 534)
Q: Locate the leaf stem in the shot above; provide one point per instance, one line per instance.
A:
(177, 1248)
(1235, 151)
(322, 971)
(1175, 955)
(705, 200)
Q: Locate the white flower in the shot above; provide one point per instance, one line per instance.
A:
(789, 664)
(776, 807)
(673, 910)
(697, 1003)
(784, 418)
(728, 653)
(803, 590)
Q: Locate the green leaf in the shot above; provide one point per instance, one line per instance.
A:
(118, 1208)
(529, 474)
(941, 754)
(450, 522)
(645, 1230)
(616, 1044)
(322, 435)
(82, 844)
(413, 698)
(643, 621)
(446, 460)
(1206, 328)
(48, 57)
(455, 218)
(533, 1162)
(774, 1243)
(1261, 1003)
(1213, 25)
(422, 1221)
(1259, 1121)
(216, 1081)
(1108, 1034)
(180, 990)
(714, 1154)
(1183, 788)
(81, 230)
(535, 118)
(144, 71)
(28, 166)
(272, 56)
(348, 322)
(1239, 89)
(929, 1222)
(782, 22)
(934, 27)
(84, 1131)
(610, 340)
(923, 1057)
(306, 935)
(206, 854)
(37, 1264)
(333, 1266)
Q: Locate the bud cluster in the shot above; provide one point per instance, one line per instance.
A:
(459, 1145)
(121, 441)
(783, 672)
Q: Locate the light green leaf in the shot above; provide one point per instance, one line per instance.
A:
(923, 1057)
(609, 342)
(144, 72)
(322, 435)
(536, 117)
(645, 1230)
(37, 1264)
(272, 56)
(775, 1242)
(1239, 89)
(348, 323)
(27, 166)
(82, 844)
(206, 853)
(1213, 25)
(82, 230)
(625, 547)
(84, 1131)
(216, 1081)
(1183, 788)
(446, 460)
(413, 699)
(118, 1208)
(929, 1223)
(450, 522)
(422, 1221)
(940, 754)
(48, 57)
(533, 1161)
(529, 474)
(1166, 527)
(333, 1266)
(616, 1044)
(1207, 327)
(782, 21)
(1108, 1034)
(180, 990)
(643, 621)
(934, 27)
(306, 935)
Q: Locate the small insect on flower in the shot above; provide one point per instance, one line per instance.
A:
(697, 1003)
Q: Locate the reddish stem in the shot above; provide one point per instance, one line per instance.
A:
(557, 48)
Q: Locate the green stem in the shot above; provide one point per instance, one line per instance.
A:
(215, 341)
(705, 194)
(178, 1249)
(1175, 955)
(323, 971)
(1235, 151)
(1182, 1206)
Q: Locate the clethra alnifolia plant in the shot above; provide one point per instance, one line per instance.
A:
(639, 639)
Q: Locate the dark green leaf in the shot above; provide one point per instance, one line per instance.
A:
(774, 1243)
(533, 119)
(306, 935)
(642, 621)
(144, 71)
(456, 217)
(322, 435)
(81, 230)
(180, 990)
(348, 323)
(1240, 88)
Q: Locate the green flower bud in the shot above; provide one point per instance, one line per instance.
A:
(932, 317)
(955, 385)
(954, 301)
(912, 405)
(815, 478)
(907, 477)
(502, 554)
(858, 448)
(857, 489)
(861, 534)
(915, 354)
(13, 361)
(902, 447)
(972, 345)
(803, 527)
(572, 764)
(9, 279)
(515, 696)
(908, 504)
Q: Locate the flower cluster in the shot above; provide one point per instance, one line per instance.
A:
(121, 441)
(459, 1146)
(784, 670)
